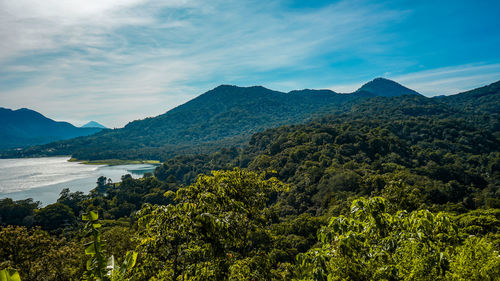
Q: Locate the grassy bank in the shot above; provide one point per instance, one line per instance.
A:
(114, 162)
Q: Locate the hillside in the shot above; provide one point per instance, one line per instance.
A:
(224, 116)
(484, 99)
(441, 152)
(25, 127)
(229, 115)
(386, 88)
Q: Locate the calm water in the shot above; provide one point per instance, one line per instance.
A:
(43, 178)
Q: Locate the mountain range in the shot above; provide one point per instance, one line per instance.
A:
(24, 127)
(228, 116)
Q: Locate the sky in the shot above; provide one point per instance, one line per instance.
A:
(114, 61)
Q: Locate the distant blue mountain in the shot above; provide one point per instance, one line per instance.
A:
(93, 124)
(25, 127)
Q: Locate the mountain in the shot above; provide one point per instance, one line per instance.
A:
(228, 116)
(386, 88)
(224, 116)
(93, 124)
(484, 99)
(25, 127)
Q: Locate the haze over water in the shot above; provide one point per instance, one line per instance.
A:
(43, 178)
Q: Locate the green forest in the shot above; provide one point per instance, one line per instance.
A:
(392, 188)
(222, 117)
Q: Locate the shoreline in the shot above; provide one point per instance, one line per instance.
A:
(114, 162)
(74, 176)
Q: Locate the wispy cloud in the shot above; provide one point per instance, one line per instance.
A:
(119, 60)
(439, 81)
(136, 58)
(451, 80)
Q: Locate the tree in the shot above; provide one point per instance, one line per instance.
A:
(54, 217)
(372, 244)
(39, 256)
(98, 267)
(72, 199)
(475, 260)
(17, 212)
(102, 185)
(216, 228)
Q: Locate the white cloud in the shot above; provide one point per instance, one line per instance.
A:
(119, 60)
(451, 80)
(126, 59)
(439, 81)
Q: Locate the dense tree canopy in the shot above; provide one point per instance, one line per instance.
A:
(371, 244)
(421, 177)
(216, 230)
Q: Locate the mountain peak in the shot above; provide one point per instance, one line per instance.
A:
(93, 124)
(234, 87)
(24, 127)
(386, 88)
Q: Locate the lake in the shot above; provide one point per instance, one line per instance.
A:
(43, 178)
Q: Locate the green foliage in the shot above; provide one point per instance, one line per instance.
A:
(119, 240)
(17, 212)
(72, 200)
(371, 244)
(480, 222)
(475, 260)
(119, 273)
(435, 162)
(98, 268)
(54, 217)
(217, 225)
(38, 255)
(96, 265)
(9, 274)
(122, 200)
(442, 154)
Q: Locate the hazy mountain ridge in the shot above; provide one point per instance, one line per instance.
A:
(228, 116)
(24, 127)
(93, 124)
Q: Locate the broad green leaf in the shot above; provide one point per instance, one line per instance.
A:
(130, 260)
(89, 264)
(90, 250)
(93, 215)
(9, 274)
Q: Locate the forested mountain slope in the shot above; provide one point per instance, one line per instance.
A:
(481, 101)
(226, 115)
(24, 127)
(438, 149)
(386, 88)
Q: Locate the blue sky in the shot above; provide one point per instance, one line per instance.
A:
(115, 61)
